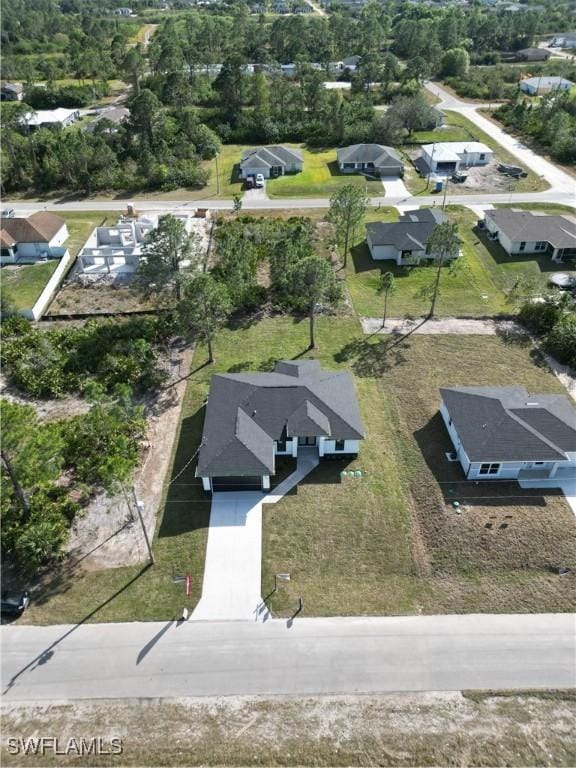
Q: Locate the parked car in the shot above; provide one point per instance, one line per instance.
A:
(250, 182)
(7, 213)
(14, 603)
(563, 280)
(259, 181)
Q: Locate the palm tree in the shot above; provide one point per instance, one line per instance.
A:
(386, 286)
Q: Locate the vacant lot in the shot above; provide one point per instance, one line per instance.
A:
(391, 540)
(469, 287)
(320, 177)
(503, 729)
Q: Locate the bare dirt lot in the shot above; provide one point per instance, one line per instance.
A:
(456, 729)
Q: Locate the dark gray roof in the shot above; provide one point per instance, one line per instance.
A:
(247, 412)
(508, 424)
(559, 231)
(269, 156)
(413, 230)
(380, 155)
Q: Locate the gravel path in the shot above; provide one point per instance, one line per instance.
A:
(467, 325)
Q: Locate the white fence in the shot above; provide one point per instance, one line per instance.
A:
(49, 289)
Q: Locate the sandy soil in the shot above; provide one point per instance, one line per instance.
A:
(513, 729)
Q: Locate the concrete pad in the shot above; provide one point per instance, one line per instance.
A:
(232, 572)
(395, 187)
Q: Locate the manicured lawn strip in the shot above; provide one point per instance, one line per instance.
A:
(552, 208)
(390, 542)
(23, 285)
(320, 177)
(462, 291)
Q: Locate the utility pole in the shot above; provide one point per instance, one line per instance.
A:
(144, 531)
(445, 191)
(431, 165)
(217, 176)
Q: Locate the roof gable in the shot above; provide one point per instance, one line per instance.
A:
(38, 228)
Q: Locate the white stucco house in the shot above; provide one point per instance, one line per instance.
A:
(251, 418)
(447, 157)
(535, 85)
(60, 117)
(505, 433)
(28, 240)
(523, 232)
(374, 159)
(405, 241)
(270, 162)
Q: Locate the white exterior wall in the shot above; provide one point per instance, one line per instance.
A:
(474, 158)
(206, 484)
(326, 446)
(454, 436)
(244, 173)
(380, 252)
(291, 447)
(32, 251)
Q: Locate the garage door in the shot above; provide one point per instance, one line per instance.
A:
(236, 484)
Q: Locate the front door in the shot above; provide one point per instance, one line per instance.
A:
(307, 441)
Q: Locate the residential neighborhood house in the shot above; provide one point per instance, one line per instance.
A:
(11, 92)
(533, 54)
(536, 85)
(374, 159)
(405, 241)
(115, 115)
(253, 417)
(270, 162)
(60, 117)
(505, 433)
(564, 41)
(448, 157)
(525, 232)
(36, 238)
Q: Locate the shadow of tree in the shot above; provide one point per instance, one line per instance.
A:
(372, 358)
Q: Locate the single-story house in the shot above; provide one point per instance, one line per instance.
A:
(405, 241)
(253, 417)
(61, 116)
(123, 11)
(525, 232)
(504, 433)
(11, 92)
(27, 240)
(115, 115)
(447, 157)
(564, 41)
(535, 85)
(270, 162)
(374, 159)
(533, 54)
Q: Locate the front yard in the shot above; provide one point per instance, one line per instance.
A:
(468, 288)
(386, 542)
(320, 177)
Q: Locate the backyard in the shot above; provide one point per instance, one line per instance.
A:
(386, 542)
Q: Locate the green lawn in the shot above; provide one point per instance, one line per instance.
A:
(320, 177)
(21, 285)
(387, 542)
(467, 287)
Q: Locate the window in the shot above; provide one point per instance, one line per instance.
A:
(339, 445)
(489, 469)
(522, 246)
(280, 446)
(540, 245)
(482, 157)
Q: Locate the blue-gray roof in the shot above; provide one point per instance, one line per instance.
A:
(247, 412)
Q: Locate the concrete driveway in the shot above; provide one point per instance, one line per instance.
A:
(255, 195)
(395, 187)
(232, 571)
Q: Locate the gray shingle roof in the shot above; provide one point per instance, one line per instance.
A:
(413, 230)
(247, 412)
(380, 155)
(559, 231)
(507, 424)
(269, 157)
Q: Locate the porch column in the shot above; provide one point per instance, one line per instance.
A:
(206, 484)
(265, 482)
(320, 446)
(554, 470)
(294, 447)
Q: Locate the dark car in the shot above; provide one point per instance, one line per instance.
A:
(250, 182)
(14, 603)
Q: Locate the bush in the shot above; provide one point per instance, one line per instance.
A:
(540, 318)
(561, 340)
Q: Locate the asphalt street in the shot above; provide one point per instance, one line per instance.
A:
(300, 657)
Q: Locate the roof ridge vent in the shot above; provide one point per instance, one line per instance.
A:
(532, 402)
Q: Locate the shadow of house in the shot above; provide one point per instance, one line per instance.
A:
(363, 262)
(434, 443)
(186, 507)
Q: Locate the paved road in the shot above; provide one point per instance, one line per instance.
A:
(305, 656)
